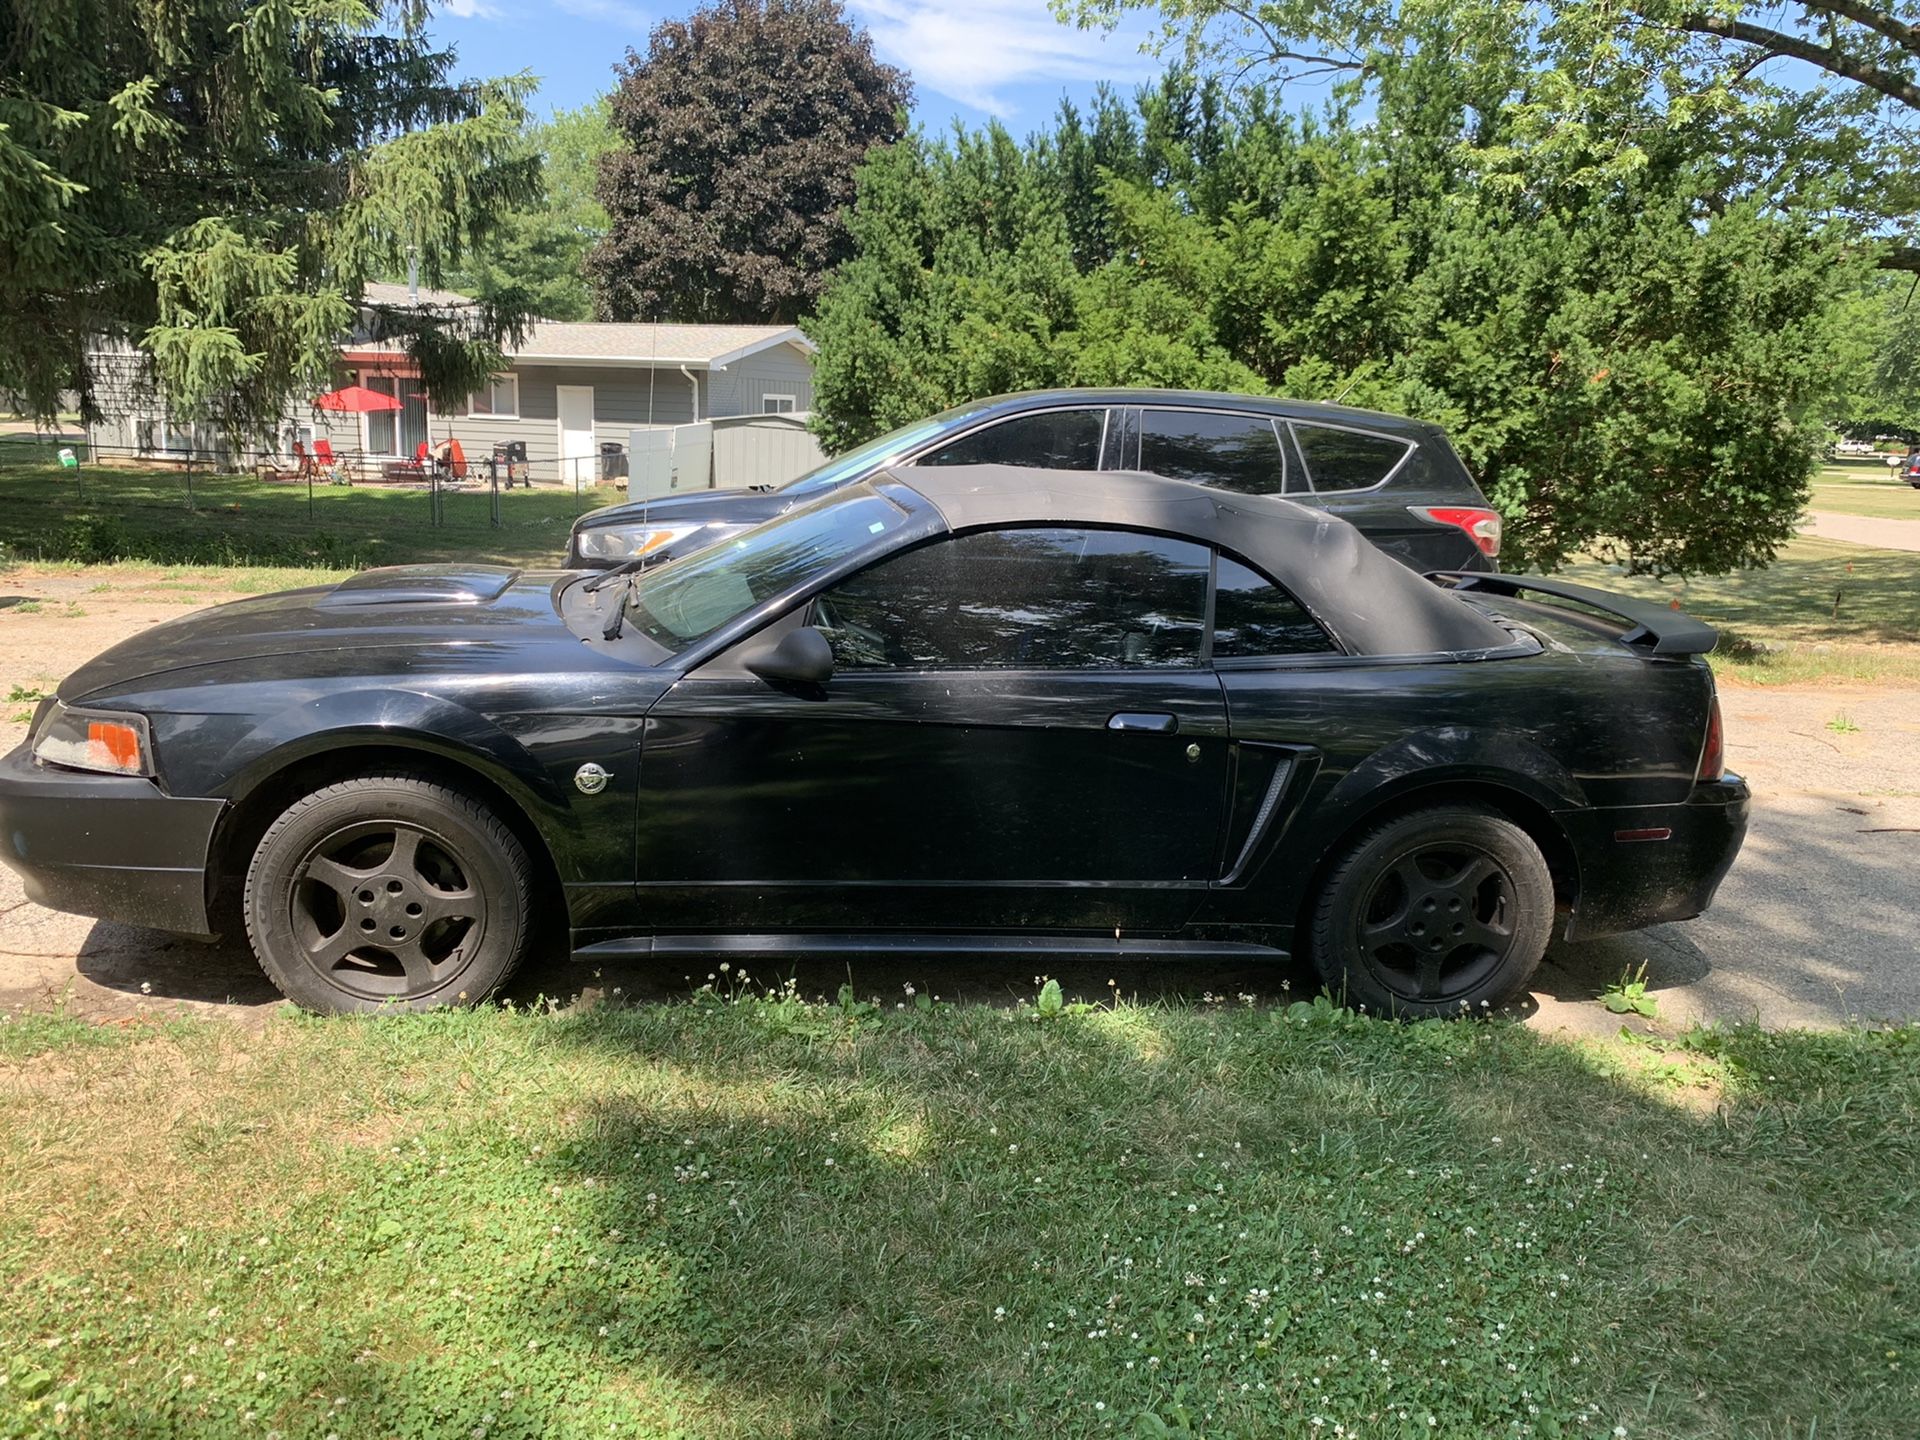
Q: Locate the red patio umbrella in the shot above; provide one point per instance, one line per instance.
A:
(356, 400)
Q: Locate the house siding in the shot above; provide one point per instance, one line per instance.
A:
(625, 398)
(742, 388)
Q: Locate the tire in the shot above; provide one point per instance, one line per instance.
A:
(1440, 912)
(388, 892)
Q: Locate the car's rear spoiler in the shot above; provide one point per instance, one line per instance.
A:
(1653, 628)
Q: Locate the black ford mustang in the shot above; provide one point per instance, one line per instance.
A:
(985, 709)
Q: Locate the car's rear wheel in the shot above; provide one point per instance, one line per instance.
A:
(388, 891)
(1438, 912)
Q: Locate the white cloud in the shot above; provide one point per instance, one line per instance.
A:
(971, 50)
(470, 9)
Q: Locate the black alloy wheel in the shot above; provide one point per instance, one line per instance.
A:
(388, 891)
(1439, 912)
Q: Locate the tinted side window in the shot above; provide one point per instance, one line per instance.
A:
(1024, 599)
(1234, 452)
(1054, 439)
(1346, 459)
(1253, 616)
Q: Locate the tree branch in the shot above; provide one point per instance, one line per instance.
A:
(1280, 55)
(1906, 36)
(1901, 257)
(1893, 86)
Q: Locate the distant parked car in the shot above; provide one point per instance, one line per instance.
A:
(1853, 447)
(1398, 480)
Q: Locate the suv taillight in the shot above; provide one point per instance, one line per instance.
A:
(1713, 753)
(1482, 525)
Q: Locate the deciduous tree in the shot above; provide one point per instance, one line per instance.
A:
(537, 253)
(740, 131)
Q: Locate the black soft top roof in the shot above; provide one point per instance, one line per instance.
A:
(1374, 605)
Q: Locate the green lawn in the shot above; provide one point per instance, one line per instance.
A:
(1824, 610)
(1864, 489)
(764, 1218)
(107, 514)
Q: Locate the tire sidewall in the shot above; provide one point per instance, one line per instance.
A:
(1335, 948)
(488, 851)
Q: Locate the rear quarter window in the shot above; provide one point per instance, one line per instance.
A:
(1338, 459)
(1254, 618)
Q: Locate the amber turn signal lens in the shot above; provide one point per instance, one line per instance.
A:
(114, 746)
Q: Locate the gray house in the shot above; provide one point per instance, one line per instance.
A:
(575, 386)
(569, 389)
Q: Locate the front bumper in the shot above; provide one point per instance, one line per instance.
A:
(112, 846)
(1629, 879)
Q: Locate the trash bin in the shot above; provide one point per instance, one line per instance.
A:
(613, 460)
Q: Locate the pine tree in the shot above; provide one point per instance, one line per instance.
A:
(213, 181)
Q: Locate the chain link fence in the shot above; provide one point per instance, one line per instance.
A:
(61, 499)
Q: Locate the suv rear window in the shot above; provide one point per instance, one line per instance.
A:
(1347, 459)
(1213, 447)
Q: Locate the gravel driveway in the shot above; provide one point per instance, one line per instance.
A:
(1818, 923)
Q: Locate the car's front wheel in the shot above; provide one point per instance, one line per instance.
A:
(1442, 911)
(388, 891)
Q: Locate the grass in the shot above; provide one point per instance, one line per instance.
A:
(1824, 611)
(103, 514)
(758, 1217)
(1867, 490)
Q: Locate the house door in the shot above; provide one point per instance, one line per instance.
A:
(578, 452)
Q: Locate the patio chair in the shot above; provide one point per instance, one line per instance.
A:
(329, 463)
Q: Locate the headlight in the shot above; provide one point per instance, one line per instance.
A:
(623, 542)
(118, 743)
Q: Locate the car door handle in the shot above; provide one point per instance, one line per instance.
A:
(1155, 721)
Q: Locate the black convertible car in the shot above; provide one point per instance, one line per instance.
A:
(979, 710)
(1398, 480)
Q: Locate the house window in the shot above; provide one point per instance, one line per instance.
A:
(777, 405)
(499, 401)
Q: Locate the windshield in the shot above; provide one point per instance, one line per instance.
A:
(855, 464)
(684, 601)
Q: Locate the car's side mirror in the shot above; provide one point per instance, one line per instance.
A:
(802, 656)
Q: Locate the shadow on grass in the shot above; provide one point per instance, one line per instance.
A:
(1817, 590)
(764, 1218)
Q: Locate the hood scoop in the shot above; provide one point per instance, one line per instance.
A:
(420, 585)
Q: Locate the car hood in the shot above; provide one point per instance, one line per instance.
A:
(419, 608)
(702, 507)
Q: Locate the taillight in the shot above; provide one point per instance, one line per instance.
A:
(1482, 525)
(1713, 754)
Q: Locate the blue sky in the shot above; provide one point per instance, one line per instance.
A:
(970, 59)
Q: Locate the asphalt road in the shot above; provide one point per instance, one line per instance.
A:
(1819, 923)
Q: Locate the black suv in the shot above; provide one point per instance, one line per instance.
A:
(1397, 480)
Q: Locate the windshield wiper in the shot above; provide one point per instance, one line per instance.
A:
(624, 568)
(618, 620)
